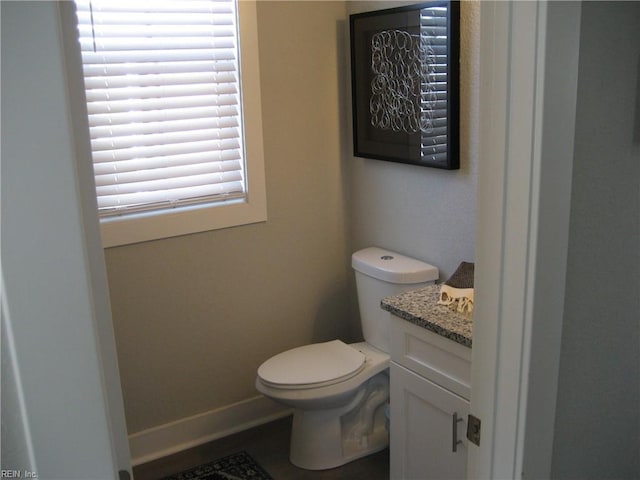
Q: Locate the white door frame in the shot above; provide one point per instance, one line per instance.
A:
(97, 272)
(67, 413)
(529, 66)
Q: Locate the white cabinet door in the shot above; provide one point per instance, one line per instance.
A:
(422, 420)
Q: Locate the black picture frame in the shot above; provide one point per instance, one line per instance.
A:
(405, 77)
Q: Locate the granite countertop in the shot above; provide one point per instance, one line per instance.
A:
(420, 307)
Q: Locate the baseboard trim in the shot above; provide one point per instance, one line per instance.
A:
(163, 440)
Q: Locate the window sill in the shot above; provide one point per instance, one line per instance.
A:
(147, 226)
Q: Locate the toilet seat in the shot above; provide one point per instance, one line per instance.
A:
(312, 366)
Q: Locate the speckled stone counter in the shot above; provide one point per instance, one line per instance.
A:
(420, 307)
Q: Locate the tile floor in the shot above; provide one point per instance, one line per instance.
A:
(268, 445)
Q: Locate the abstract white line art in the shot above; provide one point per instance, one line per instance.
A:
(402, 88)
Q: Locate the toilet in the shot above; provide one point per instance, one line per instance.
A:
(339, 391)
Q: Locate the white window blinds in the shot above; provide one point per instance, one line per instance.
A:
(163, 95)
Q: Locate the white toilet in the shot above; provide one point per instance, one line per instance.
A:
(339, 391)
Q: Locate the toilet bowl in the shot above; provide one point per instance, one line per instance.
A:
(324, 434)
(339, 391)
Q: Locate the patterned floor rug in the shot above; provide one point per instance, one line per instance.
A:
(239, 466)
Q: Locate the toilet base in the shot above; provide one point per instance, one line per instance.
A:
(323, 439)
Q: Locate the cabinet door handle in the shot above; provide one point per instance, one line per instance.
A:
(455, 442)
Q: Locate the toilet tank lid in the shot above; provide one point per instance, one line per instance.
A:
(392, 267)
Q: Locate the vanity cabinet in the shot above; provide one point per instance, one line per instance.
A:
(430, 390)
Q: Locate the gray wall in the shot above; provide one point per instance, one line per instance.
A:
(424, 212)
(597, 417)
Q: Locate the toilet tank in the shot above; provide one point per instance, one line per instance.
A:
(381, 273)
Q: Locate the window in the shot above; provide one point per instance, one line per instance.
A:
(169, 134)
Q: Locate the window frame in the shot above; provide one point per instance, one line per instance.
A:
(194, 218)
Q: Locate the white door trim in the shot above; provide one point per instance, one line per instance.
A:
(63, 376)
(528, 90)
(96, 268)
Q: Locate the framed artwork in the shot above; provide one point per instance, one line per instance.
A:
(405, 84)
